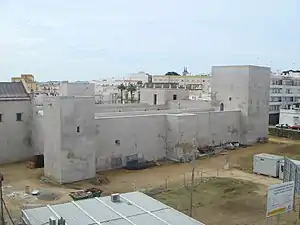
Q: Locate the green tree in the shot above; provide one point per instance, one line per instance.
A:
(131, 89)
(122, 88)
(172, 73)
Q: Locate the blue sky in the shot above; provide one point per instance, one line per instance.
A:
(85, 40)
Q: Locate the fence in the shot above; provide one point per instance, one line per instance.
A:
(291, 172)
(285, 133)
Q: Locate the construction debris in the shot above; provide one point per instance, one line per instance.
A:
(85, 194)
(100, 179)
(31, 165)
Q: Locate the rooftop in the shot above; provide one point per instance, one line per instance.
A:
(134, 208)
(13, 91)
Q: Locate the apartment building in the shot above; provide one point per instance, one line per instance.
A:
(192, 82)
(49, 88)
(284, 92)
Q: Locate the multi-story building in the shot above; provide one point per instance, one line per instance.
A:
(284, 92)
(107, 91)
(49, 88)
(28, 79)
(192, 82)
(198, 85)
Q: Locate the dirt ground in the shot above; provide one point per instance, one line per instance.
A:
(17, 177)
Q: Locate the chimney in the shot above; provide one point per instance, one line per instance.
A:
(115, 197)
(52, 221)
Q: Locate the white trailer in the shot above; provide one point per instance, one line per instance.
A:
(267, 164)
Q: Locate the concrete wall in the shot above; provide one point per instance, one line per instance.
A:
(102, 108)
(157, 136)
(188, 131)
(190, 104)
(69, 138)
(163, 95)
(259, 95)
(15, 138)
(118, 137)
(52, 139)
(76, 89)
(245, 88)
(37, 132)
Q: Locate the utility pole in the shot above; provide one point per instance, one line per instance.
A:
(192, 190)
(1, 200)
(194, 165)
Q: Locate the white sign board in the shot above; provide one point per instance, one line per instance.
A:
(280, 198)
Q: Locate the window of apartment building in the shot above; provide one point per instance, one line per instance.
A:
(276, 90)
(288, 91)
(288, 82)
(275, 99)
(274, 107)
(276, 82)
(19, 116)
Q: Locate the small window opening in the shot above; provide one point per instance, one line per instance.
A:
(174, 97)
(230, 99)
(117, 142)
(1, 117)
(78, 129)
(19, 116)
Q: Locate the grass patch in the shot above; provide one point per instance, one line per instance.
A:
(228, 197)
(245, 163)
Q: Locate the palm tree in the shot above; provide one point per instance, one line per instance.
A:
(122, 88)
(131, 89)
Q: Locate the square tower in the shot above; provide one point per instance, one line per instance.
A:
(245, 88)
(70, 131)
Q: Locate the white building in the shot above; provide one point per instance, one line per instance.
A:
(77, 89)
(78, 137)
(15, 120)
(111, 138)
(106, 90)
(49, 88)
(290, 116)
(284, 92)
(135, 208)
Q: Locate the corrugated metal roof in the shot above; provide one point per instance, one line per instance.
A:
(12, 90)
(135, 208)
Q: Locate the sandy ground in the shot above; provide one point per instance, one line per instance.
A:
(17, 177)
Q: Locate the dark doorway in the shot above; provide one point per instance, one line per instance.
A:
(39, 161)
(174, 97)
(222, 107)
(155, 99)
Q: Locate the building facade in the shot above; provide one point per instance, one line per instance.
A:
(239, 113)
(49, 88)
(284, 92)
(28, 79)
(15, 123)
(77, 138)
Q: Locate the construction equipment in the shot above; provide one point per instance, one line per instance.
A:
(86, 193)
